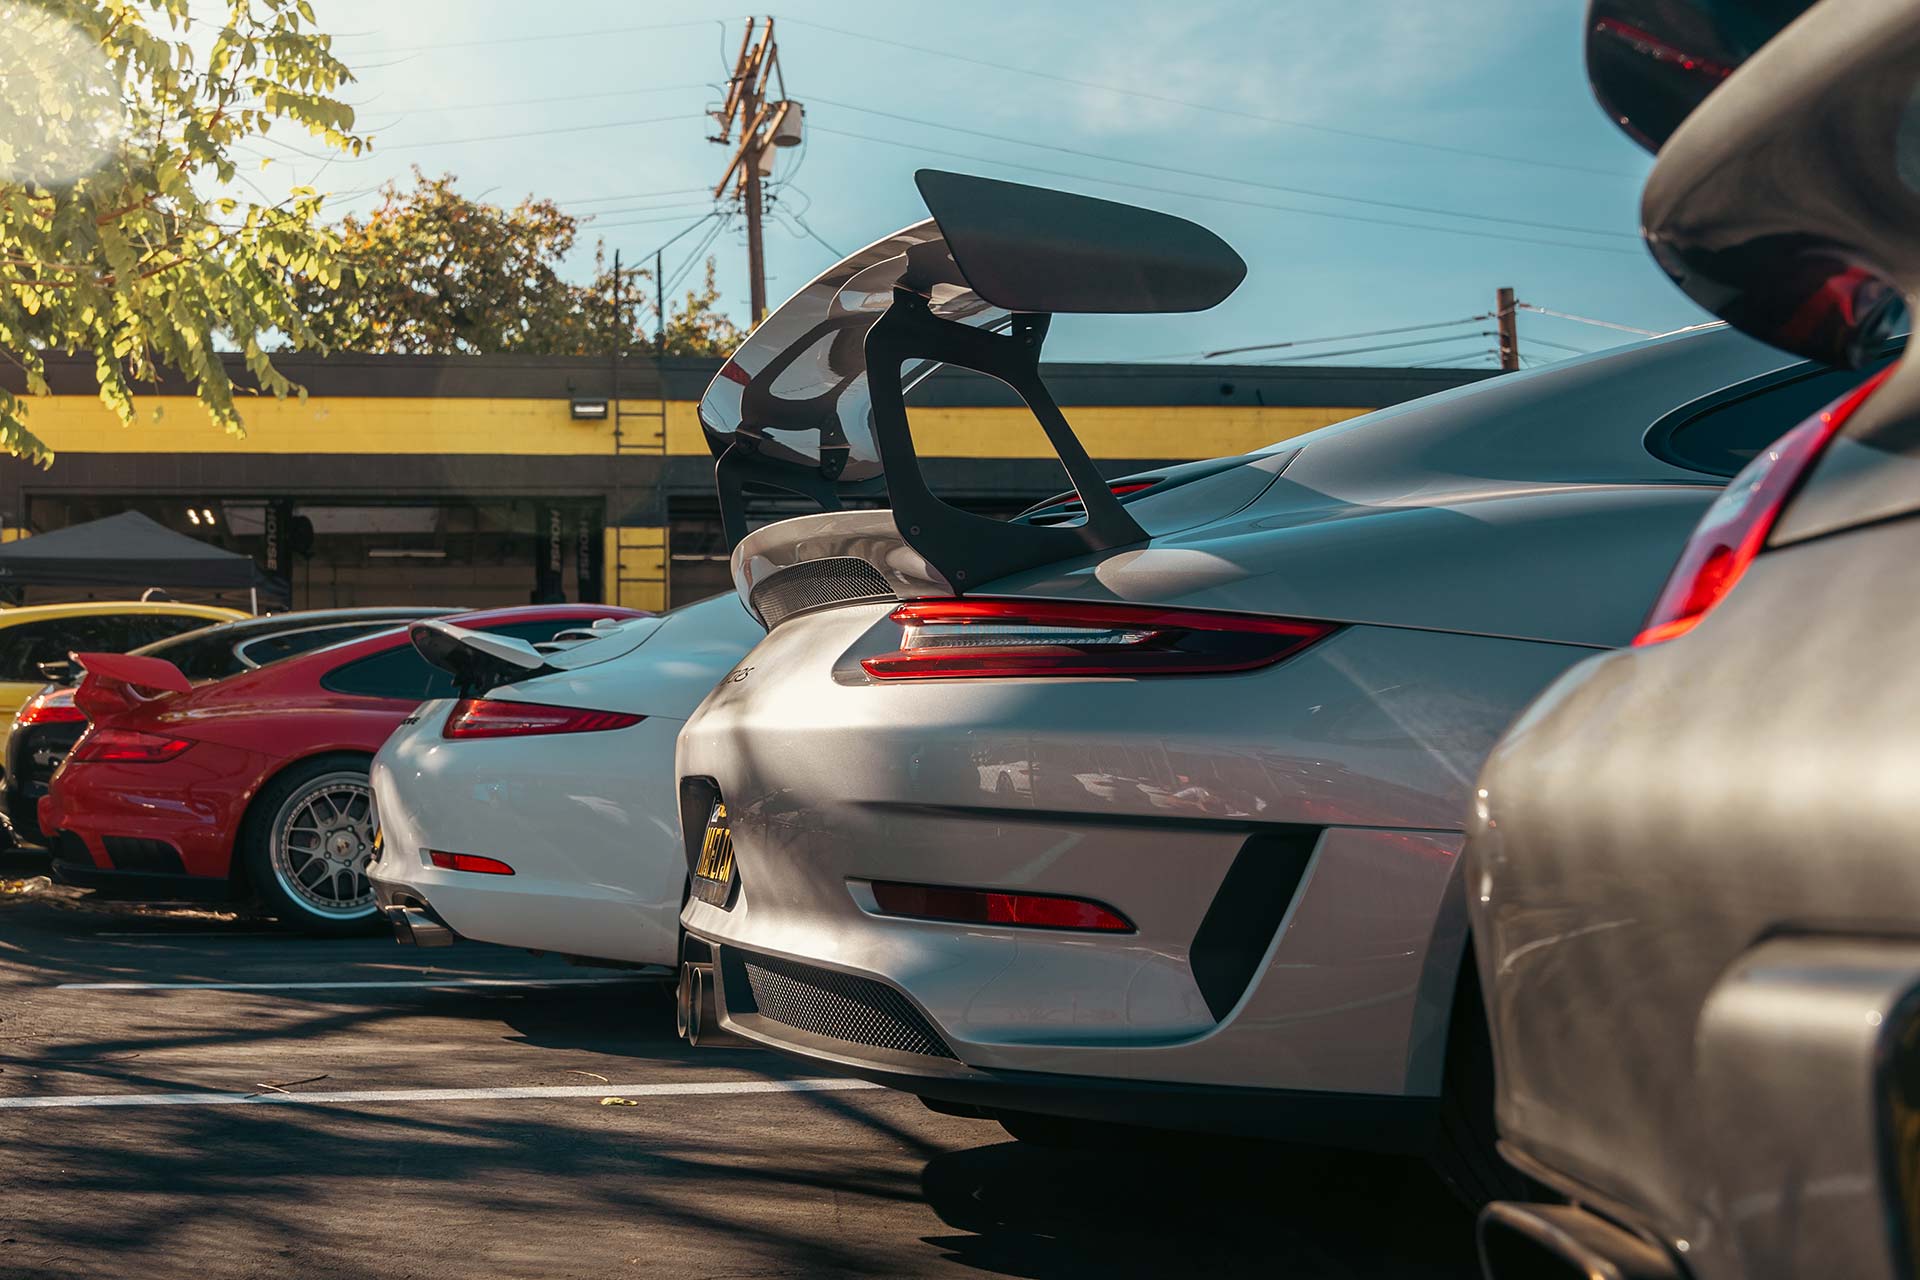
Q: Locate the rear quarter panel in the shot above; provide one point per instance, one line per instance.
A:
(1659, 811)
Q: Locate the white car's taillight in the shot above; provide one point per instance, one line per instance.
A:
(1736, 526)
(488, 718)
(1010, 638)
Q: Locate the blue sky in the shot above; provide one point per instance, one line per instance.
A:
(497, 92)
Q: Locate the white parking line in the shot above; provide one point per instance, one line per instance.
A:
(691, 1088)
(336, 986)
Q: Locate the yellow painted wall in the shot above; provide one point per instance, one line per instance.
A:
(636, 568)
(397, 425)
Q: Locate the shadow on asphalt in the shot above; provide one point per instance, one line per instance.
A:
(1020, 1210)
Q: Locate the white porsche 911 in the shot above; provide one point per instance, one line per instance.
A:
(539, 808)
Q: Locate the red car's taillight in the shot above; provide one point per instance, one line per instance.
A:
(485, 718)
(971, 638)
(986, 906)
(126, 746)
(50, 708)
(1736, 526)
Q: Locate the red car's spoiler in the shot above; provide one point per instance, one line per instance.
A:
(116, 681)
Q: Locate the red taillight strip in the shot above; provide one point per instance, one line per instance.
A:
(125, 746)
(1009, 638)
(1736, 526)
(997, 907)
(468, 862)
(488, 718)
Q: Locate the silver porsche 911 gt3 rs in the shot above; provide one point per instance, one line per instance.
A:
(1145, 807)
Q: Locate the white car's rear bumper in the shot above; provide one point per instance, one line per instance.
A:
(587, 821)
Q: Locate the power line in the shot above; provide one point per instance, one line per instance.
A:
(668, 207)
(1603, 324)
(1542, 342)
(1384, 346)
(538, 102)
(1345, 337)
(632, 195)
(546, 133)
(800, 222)
(636, 222)
(1206, 106)
(1219, 177)
(1486, 354)
(550, 35)
(1251, 204)
(706, 242)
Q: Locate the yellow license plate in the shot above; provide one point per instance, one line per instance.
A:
(713, 872)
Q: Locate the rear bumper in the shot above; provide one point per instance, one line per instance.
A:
(142, 886)
(586, 821)
(1348, 1120)
(1181, 804)
(191, 806)
(1806, 1077)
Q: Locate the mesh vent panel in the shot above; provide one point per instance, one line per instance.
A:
(833, 580)
(839, 1006)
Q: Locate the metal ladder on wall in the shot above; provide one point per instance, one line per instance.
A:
(638, 557)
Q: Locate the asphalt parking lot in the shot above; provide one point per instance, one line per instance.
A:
(189, 1093)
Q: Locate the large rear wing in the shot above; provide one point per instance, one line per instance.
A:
(814, 402)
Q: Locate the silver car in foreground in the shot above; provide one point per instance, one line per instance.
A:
(1154, 822)
(1693, 870)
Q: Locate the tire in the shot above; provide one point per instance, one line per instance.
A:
(1465, 1156)
(304, 847)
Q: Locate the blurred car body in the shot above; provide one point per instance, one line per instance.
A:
(251, 785)
(540, 809)
(1167, 836)
(47, 725)
(1691, 869)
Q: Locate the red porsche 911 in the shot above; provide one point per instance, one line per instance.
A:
(254, 786)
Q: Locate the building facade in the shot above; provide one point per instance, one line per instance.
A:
(492, 480)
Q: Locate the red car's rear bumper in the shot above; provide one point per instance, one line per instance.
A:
(178, 818)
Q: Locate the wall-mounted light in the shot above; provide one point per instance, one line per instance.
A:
(206, 514)
(589, 408)
(193, 517)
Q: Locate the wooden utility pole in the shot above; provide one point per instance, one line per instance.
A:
(1506, 310)
(761, 129)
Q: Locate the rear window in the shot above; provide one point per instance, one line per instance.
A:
(287, 644)
(1725, 437)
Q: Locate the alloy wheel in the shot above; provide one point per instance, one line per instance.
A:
(322, 839)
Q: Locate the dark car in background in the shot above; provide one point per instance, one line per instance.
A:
(48, 724)
(1692, 872)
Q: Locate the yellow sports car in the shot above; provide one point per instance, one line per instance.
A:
(41, 633)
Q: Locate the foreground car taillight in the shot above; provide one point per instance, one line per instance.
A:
(1736, 526)
(975, 637)
(468, 862)
(989, 906)
(486, 718)
(53, 707)
(126, 746)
